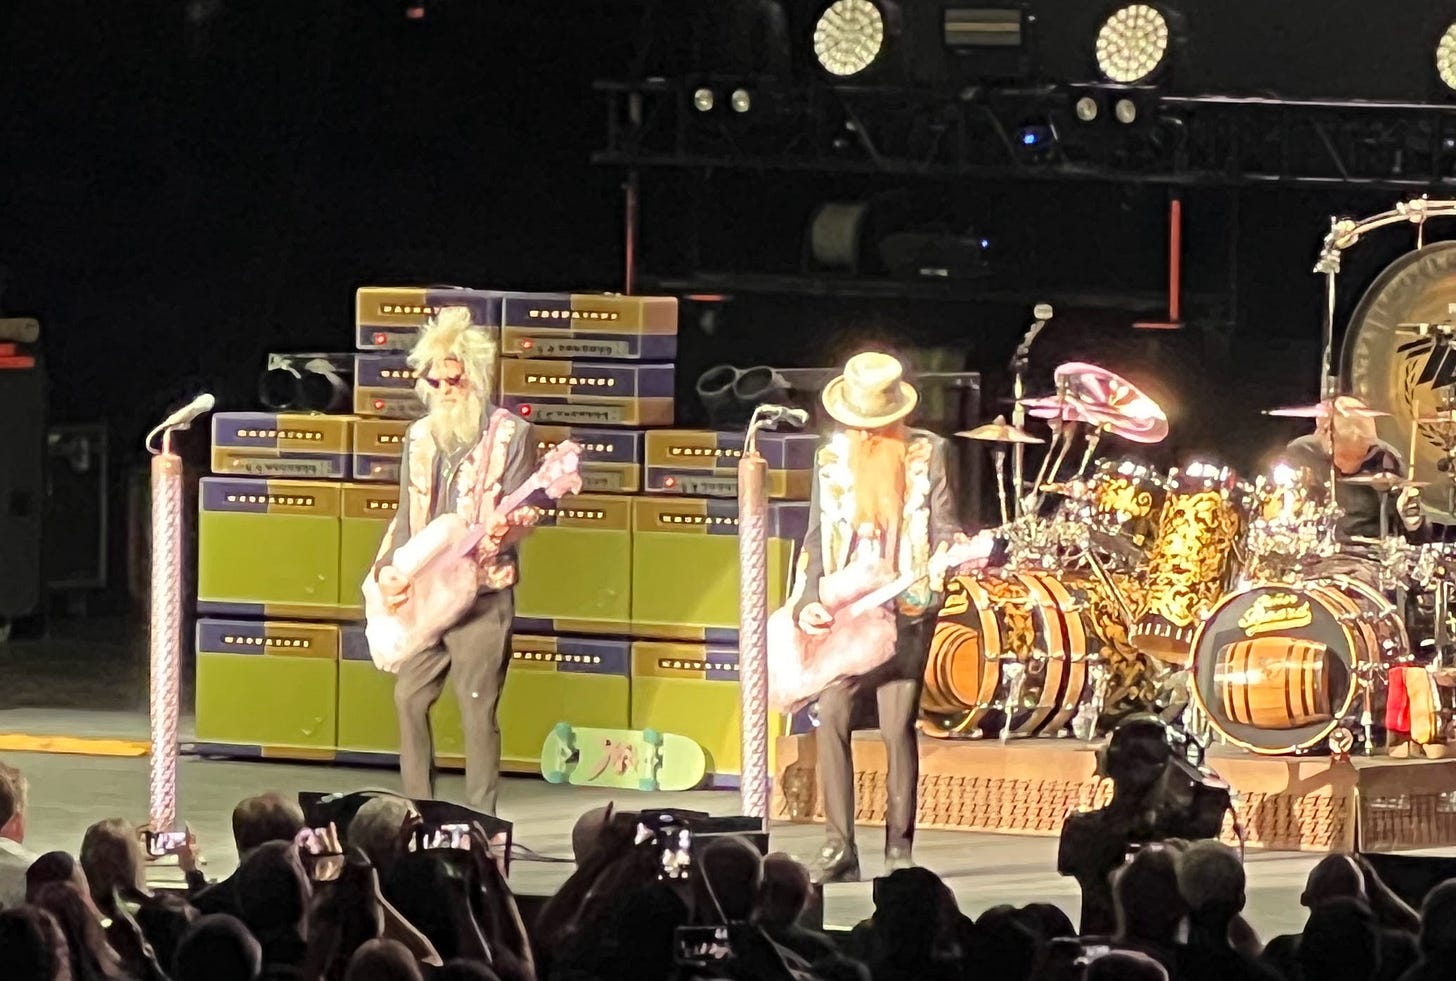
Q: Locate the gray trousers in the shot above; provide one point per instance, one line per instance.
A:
(895, 688)
(475, 653)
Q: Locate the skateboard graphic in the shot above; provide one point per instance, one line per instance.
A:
(624, 758)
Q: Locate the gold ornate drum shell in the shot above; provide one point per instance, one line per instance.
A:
(1030, 618)
(1190, 563)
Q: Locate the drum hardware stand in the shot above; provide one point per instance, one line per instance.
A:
(998, 457)
(1442, 604)
(1365, 673)
(1084, 724)
(1016, 673)
(1093, 438)
(1061, 459)
(1063, 430)
(1344, 234)
(1019, 362)
(1100, 571)
(1066, 432)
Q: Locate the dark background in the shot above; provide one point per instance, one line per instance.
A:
(185, 187)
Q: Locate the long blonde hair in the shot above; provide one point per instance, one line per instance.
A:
(451, 336)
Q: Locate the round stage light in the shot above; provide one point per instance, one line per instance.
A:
(1087, 109)
(1446, 58)
(849, 37)
(741, 100)
(1132, 43)
(703, 100)
(1126, 111)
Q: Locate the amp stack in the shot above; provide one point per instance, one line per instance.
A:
(288, 526)
(627, 606)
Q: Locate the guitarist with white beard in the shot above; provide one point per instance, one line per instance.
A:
(461, 458)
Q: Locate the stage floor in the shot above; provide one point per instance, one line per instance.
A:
(69, 792)
(89, 680)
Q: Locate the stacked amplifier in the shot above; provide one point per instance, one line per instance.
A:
(627, 606)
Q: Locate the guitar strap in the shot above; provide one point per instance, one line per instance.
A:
(489, 468)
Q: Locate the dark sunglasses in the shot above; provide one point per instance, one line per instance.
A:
(455, 382)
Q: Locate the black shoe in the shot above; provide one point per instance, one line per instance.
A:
(837, 864)
(897, 858)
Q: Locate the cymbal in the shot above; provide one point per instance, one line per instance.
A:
(1382, 481)
(1320, 410)
(1001, 431)
(1446, 418)
(1113, 402)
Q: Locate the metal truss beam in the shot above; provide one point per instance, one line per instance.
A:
(978, 134)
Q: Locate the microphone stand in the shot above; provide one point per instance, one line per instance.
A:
(166, 616)
(1019, 362)
(755, 780)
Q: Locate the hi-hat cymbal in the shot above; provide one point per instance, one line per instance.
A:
(1384, 482)
(1444, 418)
(1113, 402)
(1321, 410)
(1001, 431)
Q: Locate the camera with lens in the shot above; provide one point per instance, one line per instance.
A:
(1161, 789)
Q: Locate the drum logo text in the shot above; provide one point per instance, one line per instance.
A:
(1276, 611)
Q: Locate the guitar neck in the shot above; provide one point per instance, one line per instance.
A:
(520, 496)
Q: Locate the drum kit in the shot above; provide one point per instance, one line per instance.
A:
(1194, 593)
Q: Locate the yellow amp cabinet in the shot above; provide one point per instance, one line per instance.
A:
(268, 548)
(692, 690)
(266, 688)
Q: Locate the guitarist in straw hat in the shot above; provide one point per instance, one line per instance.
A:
(460, 458)
(880, 484)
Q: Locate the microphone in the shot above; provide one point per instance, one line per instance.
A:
(1042, 312)
(772, 415)
(185, 415)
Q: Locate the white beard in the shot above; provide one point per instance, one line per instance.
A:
(456, 426)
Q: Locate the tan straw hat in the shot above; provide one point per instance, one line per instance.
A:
(871, 393)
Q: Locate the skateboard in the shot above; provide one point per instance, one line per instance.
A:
(624, 758)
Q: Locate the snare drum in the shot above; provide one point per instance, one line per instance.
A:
(1191, 560)
(993, 628)
(1277, 668)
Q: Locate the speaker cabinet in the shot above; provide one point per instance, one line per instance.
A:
(76, 507)
(22, 481)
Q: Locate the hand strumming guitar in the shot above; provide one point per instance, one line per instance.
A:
(498, 526)
(815, 619)
(394, 586)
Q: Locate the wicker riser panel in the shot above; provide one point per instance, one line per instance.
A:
(1028, 787)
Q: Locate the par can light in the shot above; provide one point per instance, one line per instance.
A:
(1132, 43)
(849, 36)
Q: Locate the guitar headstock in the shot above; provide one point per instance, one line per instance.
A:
(557, 474)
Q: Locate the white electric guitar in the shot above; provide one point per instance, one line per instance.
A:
(438, 569)
(862, 635)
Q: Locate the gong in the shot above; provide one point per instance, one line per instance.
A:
(1401, 372)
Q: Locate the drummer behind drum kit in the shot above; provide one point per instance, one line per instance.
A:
(1190, 592)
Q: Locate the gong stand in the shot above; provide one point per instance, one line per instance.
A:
(1343, 234)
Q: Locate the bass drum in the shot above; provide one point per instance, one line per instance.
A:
(1030, 619)
(1277, 668)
